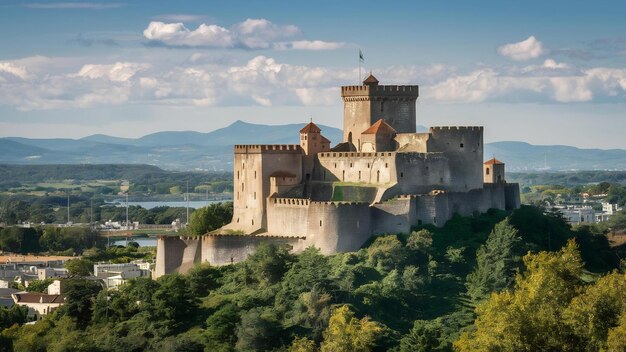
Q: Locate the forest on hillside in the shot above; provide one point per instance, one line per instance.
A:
(524, 281)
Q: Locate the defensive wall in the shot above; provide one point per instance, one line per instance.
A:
(332, 227)
(254, 164)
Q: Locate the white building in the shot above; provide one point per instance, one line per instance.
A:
(114, 275)
(39, 304)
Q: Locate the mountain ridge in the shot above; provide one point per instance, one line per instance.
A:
(192, 150)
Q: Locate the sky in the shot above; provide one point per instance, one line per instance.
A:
(543, 72)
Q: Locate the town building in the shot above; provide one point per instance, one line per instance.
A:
(39, 304)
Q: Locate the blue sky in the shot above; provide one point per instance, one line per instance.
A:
(542, 72)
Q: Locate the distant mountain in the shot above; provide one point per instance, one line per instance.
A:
(521, 156)
(189, 150)
(238, 132)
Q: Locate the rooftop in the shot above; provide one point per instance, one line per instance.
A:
(379, 126)
(35, 297)
(370, 80)
(310, 128)
(493, 161)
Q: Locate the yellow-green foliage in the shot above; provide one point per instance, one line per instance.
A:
(349, 334)
(551, 309)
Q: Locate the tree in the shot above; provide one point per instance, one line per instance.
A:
(347, 333)
(269, 263)
(257, 330)
(80, 295)
(39, 285)
(302, 344)
(79, 267)
(386, 253)
(423, 337)
(209, 218)
(496, 262)
(530, 318)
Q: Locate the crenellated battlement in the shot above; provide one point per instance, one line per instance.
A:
(292, 201)
(265, 148)
(455, 128)
(411, 91)
(354, 155)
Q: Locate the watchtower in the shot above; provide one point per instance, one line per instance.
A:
(365, 104)
(493, 171)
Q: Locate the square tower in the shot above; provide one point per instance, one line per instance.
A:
(493, 171)
(364, 105)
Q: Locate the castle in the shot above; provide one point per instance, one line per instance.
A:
(383, 178)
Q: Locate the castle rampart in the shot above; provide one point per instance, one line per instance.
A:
(335, 199)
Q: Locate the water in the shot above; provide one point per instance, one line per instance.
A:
(194, 204)
(142, 241)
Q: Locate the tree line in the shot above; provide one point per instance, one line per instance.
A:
(497, 281)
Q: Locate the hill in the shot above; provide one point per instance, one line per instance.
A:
(212, 151)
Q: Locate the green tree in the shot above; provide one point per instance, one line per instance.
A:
(79, 267)
(257, 330)
(211, 217)
(386, 253)
(496, 262)
(424, 336)
(80, 295)
(347, 333)
(530, 318)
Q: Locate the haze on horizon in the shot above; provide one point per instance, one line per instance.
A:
(543, 73)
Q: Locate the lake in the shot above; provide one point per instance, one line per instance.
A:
(194, 204)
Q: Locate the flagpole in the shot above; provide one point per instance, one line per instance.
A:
(359, 81)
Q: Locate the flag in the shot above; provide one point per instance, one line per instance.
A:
(361, 56)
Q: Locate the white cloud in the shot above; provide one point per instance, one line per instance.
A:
(249, 34)
(527, 49)
(264, 81)
(13, 70)
(119, 71)
(176, 34)
(74, 5)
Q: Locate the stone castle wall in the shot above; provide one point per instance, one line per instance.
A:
(254, 164)
(332, 226)
(364, 105)
(463, 146)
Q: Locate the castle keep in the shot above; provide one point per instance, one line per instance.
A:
(382, 178)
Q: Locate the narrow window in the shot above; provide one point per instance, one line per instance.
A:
(435, 220)
(320, 223)
(343, 175)
(368, 165)
(378, 176)
(254, 195)
(461, 145)
(237, 174)
(386, 165)
(237, 220)
(255, 175)
(350, 164)
(402, 174)
(252, 222)
(487, 171)
(242, 186)
(359, 175)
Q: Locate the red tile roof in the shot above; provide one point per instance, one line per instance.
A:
(379, 127)
(493, 161)
(310, 128)
(370, 80)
